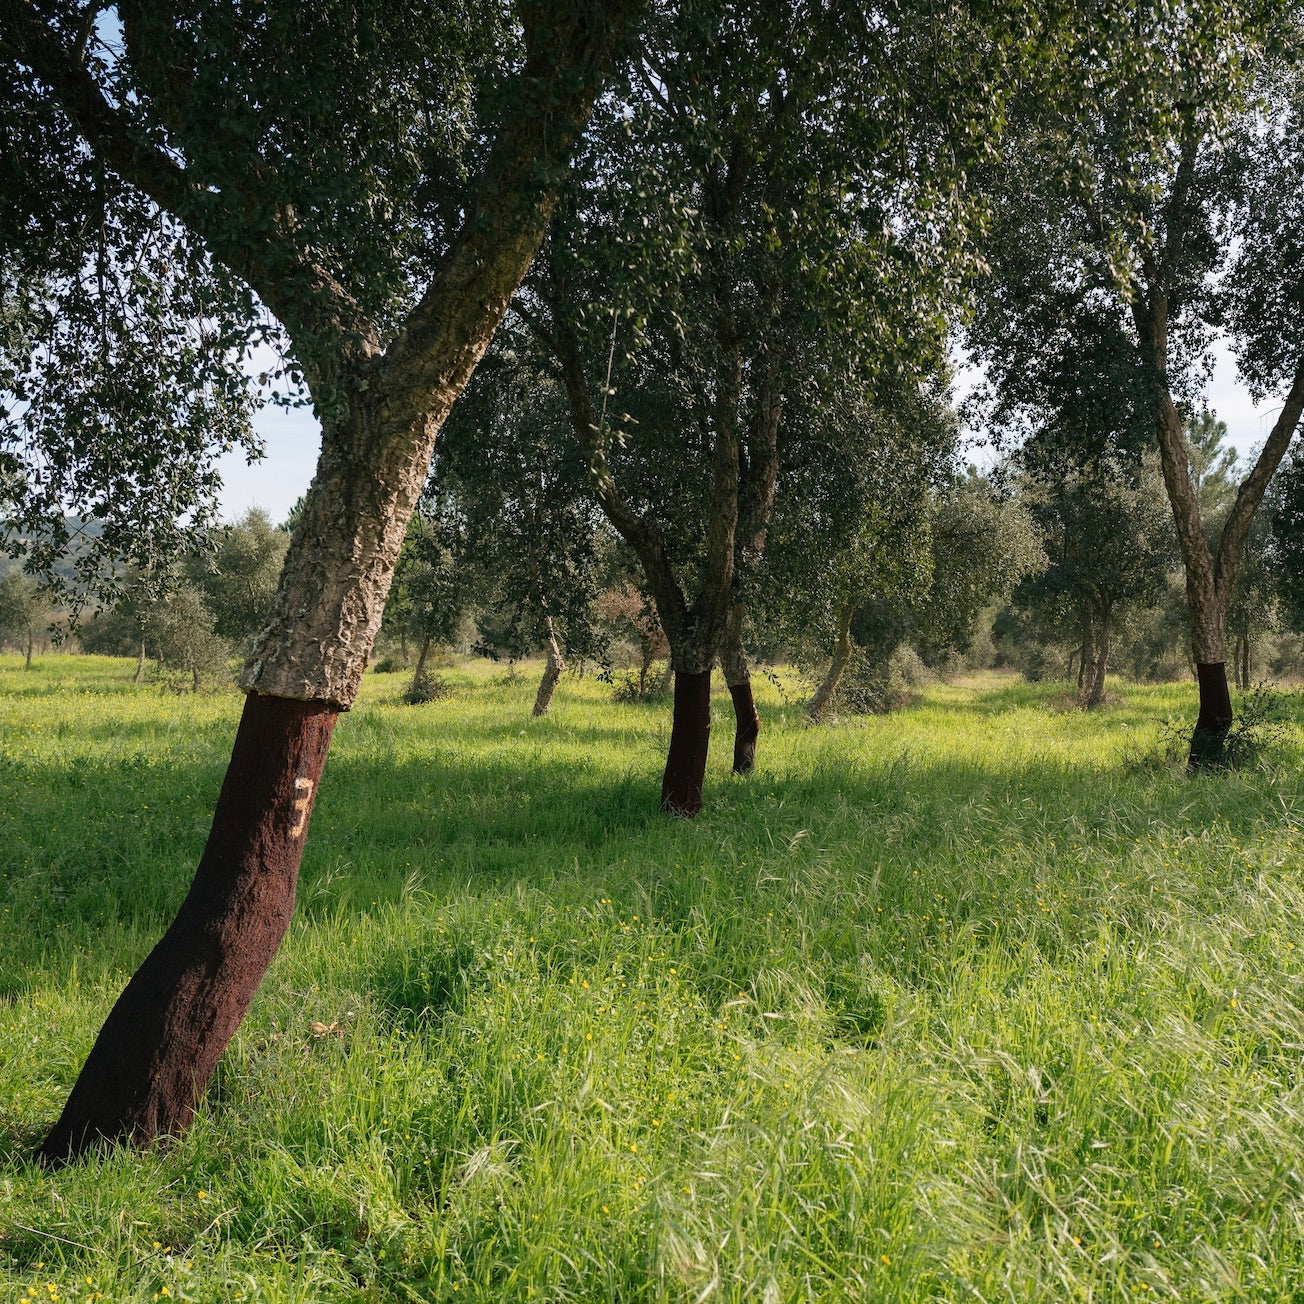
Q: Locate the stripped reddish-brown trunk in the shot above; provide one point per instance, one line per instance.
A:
(747, 727)
(161, 1043)
(737, 674)
(690, 734)
(551, 671)
(1215, 718)
(1087, 657)
(382, 405)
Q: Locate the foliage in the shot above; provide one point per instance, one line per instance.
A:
(24, 610)
(238, 576)
(436, 583)
(427, 687)
(513, 490)
(181, 632)
(775, 218)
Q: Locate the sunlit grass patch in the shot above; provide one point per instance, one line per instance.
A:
(959, 1004)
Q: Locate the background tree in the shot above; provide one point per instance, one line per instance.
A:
(239, 574)
(853, 524)
(379, 180)
(508, 469)
(25, 612)
(180, 629)
(788, 214)
(434, 587)
(1133, 202)
(1108, 538)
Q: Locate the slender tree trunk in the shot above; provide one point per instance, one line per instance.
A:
(819, 704)
(139, 676)
(1102, 623)
(681, 785)
(667, 678)
(747, 720)
(30, 641)
(158, 1049)
(1087, 659)
(551, 671)
(421, 665)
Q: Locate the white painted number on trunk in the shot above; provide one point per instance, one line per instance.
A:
(302, 800)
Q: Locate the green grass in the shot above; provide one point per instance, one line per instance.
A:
(970, 1003)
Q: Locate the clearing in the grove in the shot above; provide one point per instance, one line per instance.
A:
(979, 1001)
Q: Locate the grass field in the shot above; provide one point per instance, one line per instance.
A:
(971, 1003)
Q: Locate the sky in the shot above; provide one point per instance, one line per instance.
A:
(292, 439)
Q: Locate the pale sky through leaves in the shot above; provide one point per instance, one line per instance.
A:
(292, 439)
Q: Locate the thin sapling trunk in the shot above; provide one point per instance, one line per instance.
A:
(551, 670)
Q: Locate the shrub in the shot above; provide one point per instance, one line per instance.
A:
(427, 688)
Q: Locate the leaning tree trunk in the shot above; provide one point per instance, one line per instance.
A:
(819, 704)
(161, 1043)
(156, 1053)
(419, 673)
(1097, 694)
(382, 409)
(747, 720)
(551, 671)
(690, 734)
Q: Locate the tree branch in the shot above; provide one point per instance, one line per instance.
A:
(1250, 493)
(314, 307)
(641, 533)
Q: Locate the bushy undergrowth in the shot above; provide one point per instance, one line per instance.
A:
(948, 1005)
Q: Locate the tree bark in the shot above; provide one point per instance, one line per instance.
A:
(551, 671)
(1097, 694)
(157, 1051)
(140, 663)
(1210, 579)
(690, 734)
(1215, 718)
(420, 666)
(737, 674)
(819, 704)
(382, 408)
